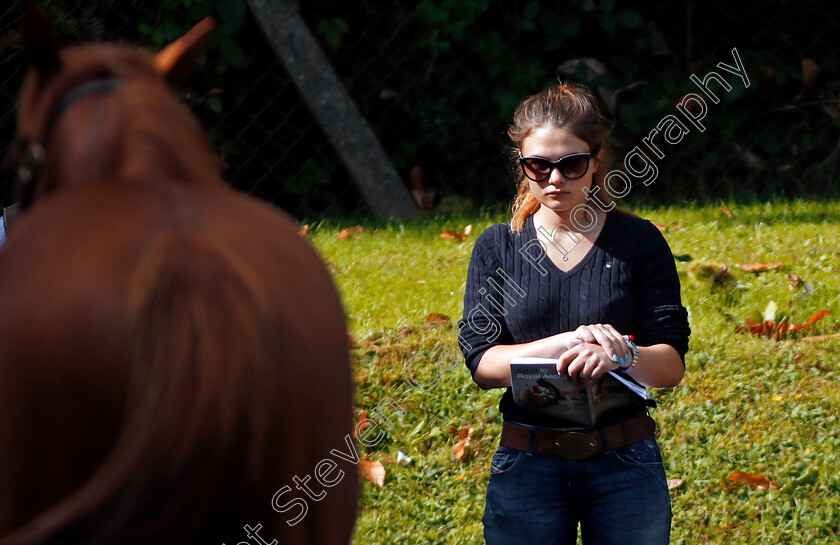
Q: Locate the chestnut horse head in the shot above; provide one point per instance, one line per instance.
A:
(173, 356)
(133, 129)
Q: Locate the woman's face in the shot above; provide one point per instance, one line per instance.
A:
(558, 193)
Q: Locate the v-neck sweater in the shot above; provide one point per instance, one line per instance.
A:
(515, 294)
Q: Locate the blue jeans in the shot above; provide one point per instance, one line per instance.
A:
(619, 497)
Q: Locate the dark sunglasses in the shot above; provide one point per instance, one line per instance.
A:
(572, 166)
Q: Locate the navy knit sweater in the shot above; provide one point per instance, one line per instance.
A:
(515, 294)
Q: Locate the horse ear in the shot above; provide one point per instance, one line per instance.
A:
(39, 41)
(179, 58)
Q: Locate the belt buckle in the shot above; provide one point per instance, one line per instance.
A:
(574, 445)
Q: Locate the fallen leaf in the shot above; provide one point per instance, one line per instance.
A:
(372, 470)
(810, 71)
(359, 426)
(437, 319)
(769, 313)
(816, 317)
(674, 225)
(462, 450)
(794, 281)
(675, 483)
(347, 231)
(726, 211)
(758, 267)
(754, 481)
(462, 236)
(776, 331)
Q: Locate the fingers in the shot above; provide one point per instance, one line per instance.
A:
(610, 340)
(587, 360)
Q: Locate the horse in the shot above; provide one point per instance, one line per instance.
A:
(173, 354)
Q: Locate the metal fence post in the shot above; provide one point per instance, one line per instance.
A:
(335, 111)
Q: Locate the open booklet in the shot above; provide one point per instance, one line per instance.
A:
(537, 386)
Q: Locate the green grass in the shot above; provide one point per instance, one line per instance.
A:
(746, 403)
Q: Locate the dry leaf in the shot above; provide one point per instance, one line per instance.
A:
(674, 225)
(347, 231)
(758, 267)
(462, 450)
(794, 281)
(462, 236)
(675, 483)
(810, 70)
(304, 230)
(437, 319)
(726, 211)
(755, 481)
(372, 470)
(774, 330)
(362, 417)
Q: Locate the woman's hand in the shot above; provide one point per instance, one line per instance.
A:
(603, 349)
(562, 342)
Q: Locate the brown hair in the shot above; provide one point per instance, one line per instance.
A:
(568, 106)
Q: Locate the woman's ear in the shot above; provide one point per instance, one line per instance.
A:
(598, 158)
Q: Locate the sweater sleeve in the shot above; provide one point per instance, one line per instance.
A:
(661, 317)
(483, 325)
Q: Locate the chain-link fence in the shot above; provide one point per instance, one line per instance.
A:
(437, 81)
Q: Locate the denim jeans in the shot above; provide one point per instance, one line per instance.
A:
(619, 497)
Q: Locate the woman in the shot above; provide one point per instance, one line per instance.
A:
(572, 278)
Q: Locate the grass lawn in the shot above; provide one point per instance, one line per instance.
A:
(752, 404)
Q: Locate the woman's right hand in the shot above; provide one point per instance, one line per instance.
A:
(561, 342)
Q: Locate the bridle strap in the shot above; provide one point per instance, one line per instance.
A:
(82, 91)
(35, 155)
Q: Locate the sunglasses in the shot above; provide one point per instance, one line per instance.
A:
(539, 169)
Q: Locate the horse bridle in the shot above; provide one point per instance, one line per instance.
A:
(29, 169)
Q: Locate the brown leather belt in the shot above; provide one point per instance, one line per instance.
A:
(577, 444)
